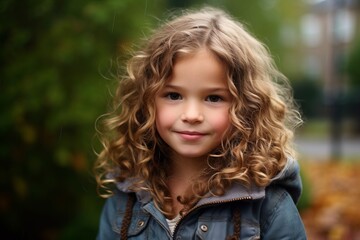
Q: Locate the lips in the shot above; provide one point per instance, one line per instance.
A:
(190, 135)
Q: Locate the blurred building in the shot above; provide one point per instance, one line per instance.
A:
(328, 31)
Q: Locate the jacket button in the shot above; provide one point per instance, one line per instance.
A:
(140, 223)
(204, 228)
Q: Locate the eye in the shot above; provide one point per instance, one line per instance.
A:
(173, 96)
(214, 98)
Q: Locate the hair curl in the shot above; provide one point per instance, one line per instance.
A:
(263, 116)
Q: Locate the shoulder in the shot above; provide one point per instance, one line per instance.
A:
(114, 207)
(280, 218)
(115, 203)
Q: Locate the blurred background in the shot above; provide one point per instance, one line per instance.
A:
(58, 62)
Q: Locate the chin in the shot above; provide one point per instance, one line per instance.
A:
(189, 154)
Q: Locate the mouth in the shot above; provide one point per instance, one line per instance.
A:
(190, 135)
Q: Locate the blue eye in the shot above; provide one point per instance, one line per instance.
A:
(214, 98)
(173, 96)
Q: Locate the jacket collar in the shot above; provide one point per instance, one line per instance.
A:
(288, 178)
(237, 191)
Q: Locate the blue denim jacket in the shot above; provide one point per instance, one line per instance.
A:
(266, 213)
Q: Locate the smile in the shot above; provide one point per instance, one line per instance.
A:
(188, 135)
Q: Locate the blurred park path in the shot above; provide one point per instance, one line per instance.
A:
(315, 149)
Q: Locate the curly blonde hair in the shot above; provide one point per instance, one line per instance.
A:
(262, 114)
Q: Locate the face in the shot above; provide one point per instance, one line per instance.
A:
(192, 110)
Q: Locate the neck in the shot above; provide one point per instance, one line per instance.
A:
(182, 173)
(186, 168)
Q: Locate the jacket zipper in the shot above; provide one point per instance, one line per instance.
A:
(207, 205)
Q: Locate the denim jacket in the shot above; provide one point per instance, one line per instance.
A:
(266, 213)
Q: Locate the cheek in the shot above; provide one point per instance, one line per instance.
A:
(164, 118)
(221, 123)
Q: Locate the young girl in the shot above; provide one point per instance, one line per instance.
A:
(199, 145)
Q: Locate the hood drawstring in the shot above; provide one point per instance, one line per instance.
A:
(127, 217)
(237, 225)
(128, 214)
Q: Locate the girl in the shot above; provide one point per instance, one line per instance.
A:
(199, 145)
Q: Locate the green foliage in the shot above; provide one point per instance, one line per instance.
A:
(353, 66)
(353, 95)
(54, 57)
(306, 197)
(308, 95)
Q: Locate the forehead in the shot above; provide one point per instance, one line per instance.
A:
(202, 65)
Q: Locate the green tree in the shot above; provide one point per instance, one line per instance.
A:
(353, 95)
(56, 58)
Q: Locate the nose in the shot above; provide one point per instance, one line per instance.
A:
(192, 113)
